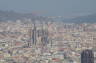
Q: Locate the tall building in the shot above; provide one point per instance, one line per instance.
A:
(34, 35)
(44, 36)
(87, 56)
(30, 39)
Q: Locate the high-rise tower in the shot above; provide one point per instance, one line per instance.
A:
(87, 56)
(34, 35)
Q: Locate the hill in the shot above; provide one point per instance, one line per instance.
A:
(82, 19)
(13, 16)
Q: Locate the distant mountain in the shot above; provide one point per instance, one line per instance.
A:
(13, 16)
(82, 19)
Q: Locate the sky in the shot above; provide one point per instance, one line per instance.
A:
(66, 8)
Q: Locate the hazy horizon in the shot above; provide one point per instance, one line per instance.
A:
(66, 8)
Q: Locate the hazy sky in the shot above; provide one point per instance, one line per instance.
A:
(65, 8)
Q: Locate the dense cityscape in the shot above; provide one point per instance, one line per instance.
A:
(47, 31)
(45, 41)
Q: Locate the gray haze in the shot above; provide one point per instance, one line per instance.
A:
(66, 8)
